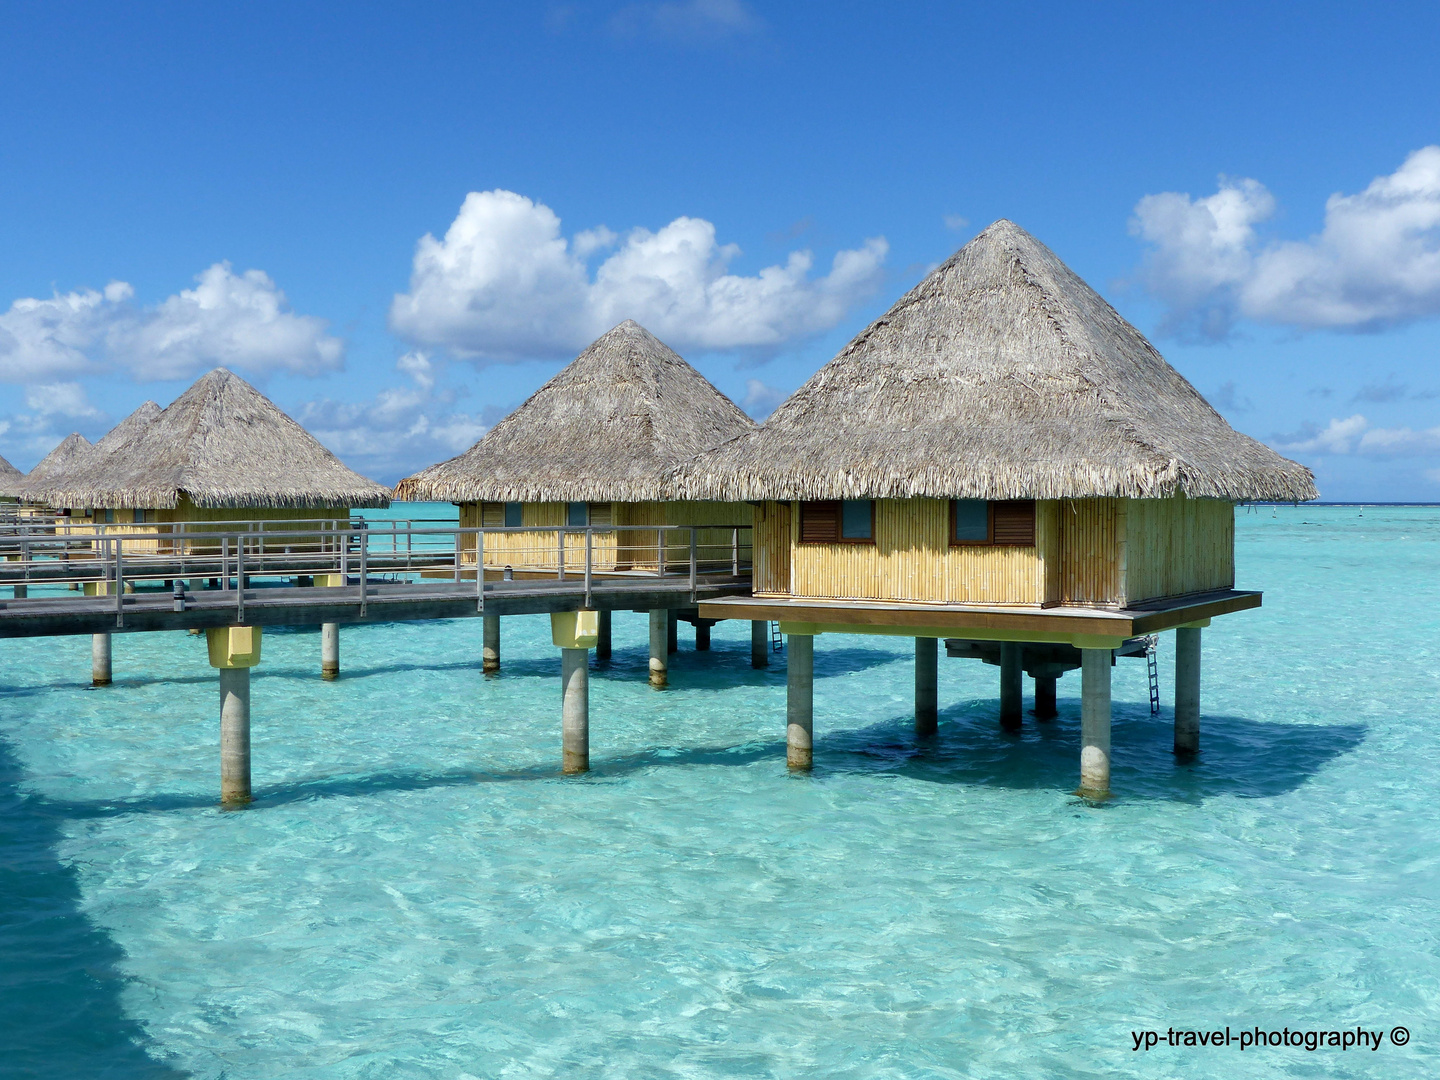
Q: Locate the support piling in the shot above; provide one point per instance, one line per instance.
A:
(329, 650)
(1095, 723)
(927, 704)
(235, 736)
(1187, 691)
(575, 710)
(602, 645)
(659, 654)
(100, 659)
(759, 643)
(800, 701)
(490, 649)
(1012, 684)
(1045, 697)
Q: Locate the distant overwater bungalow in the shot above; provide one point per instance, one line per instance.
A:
(1001, 461)
(596, 447)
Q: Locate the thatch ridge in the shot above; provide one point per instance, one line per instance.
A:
(221, 444)
(611, 426)
(11, 479)
(74, 450)
(1001, 375)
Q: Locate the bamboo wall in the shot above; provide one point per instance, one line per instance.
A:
(627, 549)
(1178, 546)
(912, 559)
(1088, 552)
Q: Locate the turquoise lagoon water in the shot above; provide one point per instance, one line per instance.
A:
(416, 893)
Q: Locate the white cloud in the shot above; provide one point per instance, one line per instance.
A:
(955, 222)
(1354, 435)
(1376, 262)
(60, 399)
(505, 284)
(238, 320)
(761, 400)
(400, 430)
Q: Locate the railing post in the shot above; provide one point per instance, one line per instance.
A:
(694, 562)
(240, 578)
(479, 568)
(224, 562)
(735, 551)
(364, 566)
(589, 559)
(561, 549)
(119, 587)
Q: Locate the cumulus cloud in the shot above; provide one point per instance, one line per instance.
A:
(1354, 435)
(761, 400)
(401, 429)
(60, 399)
(505, 284)
(1375, 263)
(238, 320)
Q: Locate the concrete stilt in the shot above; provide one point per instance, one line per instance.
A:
(702, 637)
(1187, 691)
(575, 710)
(927, 704)
(602, 645)
(659, 654)
(1045, 697)
(1012, 684)
(235, 736)
(100, 659)
(1094, 723)
(329, 650)
(21, 592)
(672, 631)
(800, 701)
(490, 649)
(759, 643)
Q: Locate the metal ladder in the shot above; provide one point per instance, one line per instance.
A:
(777, 640)
(1154, 668)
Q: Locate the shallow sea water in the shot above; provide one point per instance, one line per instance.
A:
(417, 893)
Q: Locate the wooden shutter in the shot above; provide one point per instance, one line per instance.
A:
(492, 515)
(600, 514)
(1014, 522)
(819, 522)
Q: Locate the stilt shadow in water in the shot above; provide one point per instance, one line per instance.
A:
(1238, 756)
(60, 981)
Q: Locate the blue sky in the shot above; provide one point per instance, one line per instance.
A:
(1255, 186)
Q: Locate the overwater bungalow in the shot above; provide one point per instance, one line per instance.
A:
(597, 446)
(10, 480)
(222, 452)
(73, 450)
(1002, 461)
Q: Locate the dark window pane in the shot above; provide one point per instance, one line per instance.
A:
(512, 515)
(855, 519)
(972, 520)
(577, 514)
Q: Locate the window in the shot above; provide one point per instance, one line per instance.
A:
(600, 514)
(109, 517)
(1010, 523)
(139, 517)
(848, 521)
(512, 515)
(577, 514)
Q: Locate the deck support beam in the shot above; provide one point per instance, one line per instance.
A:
(329, 651)
(759, 643)
(490, 647)
(603, 643)
(672, 631)
(800, 701)
(1045, 697)
(575, 711)
(1012, 684)
(659, 654)
(927, 704)
(100, 659)
(702, 636)
(1095, 723)
(1187, 691)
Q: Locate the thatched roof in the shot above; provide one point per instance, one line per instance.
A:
(127, 429)
(72, 452)
(1002, 375)
(222, 443)
(610, 427)
(10, 480)
(52, 489)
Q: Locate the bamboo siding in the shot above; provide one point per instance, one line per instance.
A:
(912, 559)
(1089, 552)
(627, 549)
(772, 549)
(1178, 546)
(168, 526)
